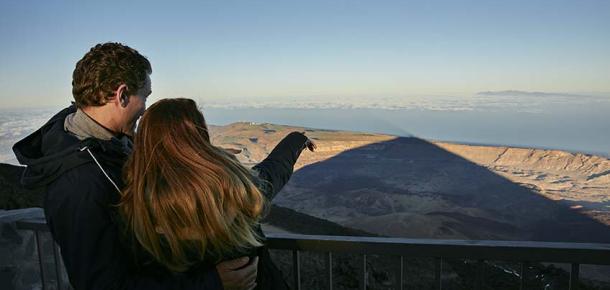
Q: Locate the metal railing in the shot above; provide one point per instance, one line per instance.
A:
(39, 226)
(520, 251)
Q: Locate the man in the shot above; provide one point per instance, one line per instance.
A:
(79, 154)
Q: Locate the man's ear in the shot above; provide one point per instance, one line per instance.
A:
(122, 96)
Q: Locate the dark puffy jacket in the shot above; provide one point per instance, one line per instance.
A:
(79, 209)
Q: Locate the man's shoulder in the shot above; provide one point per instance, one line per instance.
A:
(84, 182)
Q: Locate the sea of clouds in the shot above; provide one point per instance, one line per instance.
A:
(516, 101)
(16, 124)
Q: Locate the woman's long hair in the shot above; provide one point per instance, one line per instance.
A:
(186, 199)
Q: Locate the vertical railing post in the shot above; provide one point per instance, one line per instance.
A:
(363, 280)
(57, 258)
(438, 269)
(399, 275)
(40, 260)
(478, 284)
(329, 267)
(297, 269)
(574, 273)
(523, 275)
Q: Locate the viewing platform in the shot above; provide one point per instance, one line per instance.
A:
(575, 254)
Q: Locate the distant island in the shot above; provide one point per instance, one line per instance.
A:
(517, 93)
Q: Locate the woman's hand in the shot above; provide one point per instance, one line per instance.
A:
(238, 274)
(310, 144)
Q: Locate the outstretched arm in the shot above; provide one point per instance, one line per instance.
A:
(276, 169)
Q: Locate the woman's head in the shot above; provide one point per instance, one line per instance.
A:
(182, 193)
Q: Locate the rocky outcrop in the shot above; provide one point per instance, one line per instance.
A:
(550, 170)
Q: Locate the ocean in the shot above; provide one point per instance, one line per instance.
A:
(576, 126)
(580, 129)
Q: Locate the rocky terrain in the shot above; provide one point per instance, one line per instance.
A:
(409, 187)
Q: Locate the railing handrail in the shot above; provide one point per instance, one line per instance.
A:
(534, 251)
(480, 250)
(34, 224)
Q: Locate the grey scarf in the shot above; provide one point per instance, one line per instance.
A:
(82, 127)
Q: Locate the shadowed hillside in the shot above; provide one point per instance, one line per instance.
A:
(412, 188)
(409, 187)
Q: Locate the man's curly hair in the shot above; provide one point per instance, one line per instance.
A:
(103, 69)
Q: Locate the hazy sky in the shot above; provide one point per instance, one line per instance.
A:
(226, 49)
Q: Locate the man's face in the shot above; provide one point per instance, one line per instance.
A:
(136, 106)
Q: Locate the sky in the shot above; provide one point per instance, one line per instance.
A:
(219, 50)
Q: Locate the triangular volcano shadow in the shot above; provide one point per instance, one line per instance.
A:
(381, 185)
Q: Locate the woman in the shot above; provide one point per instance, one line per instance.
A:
(191, 204)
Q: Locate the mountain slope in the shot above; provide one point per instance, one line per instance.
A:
(410, 187)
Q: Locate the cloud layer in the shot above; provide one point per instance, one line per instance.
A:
(518, 101)
(17, 124)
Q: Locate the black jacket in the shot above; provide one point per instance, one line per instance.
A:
(79, 210)
(82, 180)
(276, 170)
